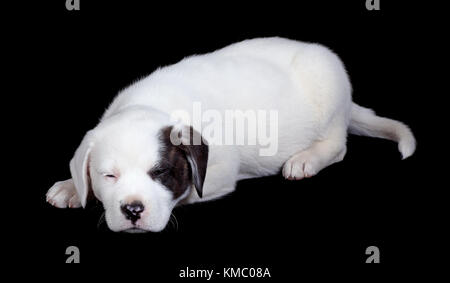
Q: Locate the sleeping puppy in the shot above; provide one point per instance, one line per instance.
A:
(141, 161)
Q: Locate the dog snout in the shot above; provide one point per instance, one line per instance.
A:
(132, 211)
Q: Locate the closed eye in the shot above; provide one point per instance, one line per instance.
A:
(109, 176)
(159, 172)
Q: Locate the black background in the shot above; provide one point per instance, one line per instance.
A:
(72, 63)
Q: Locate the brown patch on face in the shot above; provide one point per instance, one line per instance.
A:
(181, 166)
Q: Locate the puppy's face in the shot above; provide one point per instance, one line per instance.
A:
(139, 174)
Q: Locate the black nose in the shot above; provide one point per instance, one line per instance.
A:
(133, 210)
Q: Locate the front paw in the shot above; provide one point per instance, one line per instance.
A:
(63, 194)
(300, 166)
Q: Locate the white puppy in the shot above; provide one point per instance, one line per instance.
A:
(140, 163)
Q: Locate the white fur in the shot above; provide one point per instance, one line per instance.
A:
(306, 83)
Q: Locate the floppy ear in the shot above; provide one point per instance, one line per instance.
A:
(79, 167)
(196, 150)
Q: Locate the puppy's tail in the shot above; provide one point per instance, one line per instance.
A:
(365, 122)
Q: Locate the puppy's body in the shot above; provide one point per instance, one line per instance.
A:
(305, 83)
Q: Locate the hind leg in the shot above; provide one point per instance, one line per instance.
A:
(320, 154)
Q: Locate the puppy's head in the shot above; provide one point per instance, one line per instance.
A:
(139, 169)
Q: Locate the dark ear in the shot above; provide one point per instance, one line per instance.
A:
(196, 150)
